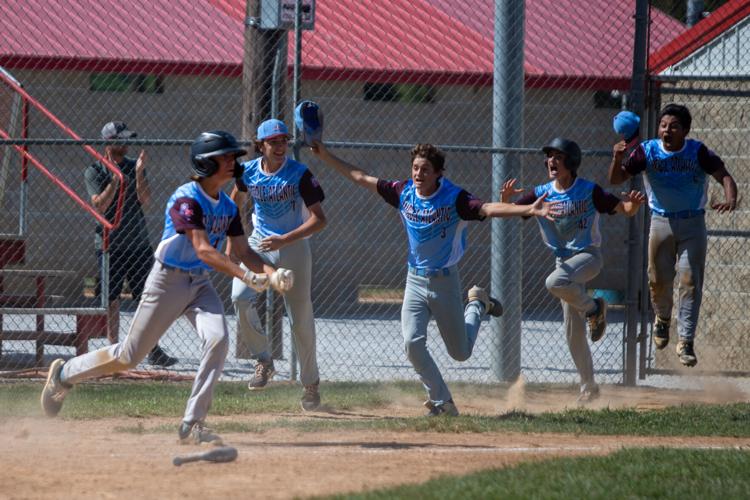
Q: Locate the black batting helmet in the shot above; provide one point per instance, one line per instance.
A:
(209, 145)
(569, 148)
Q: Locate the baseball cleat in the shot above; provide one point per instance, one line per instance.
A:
(311, 397)
(597, 320)
(158, 357)
(55, 390)
(491, 306)
(446, 409)
(588, 394)
(661, 333)
(197, 433)
(686, 353)
(263, 373)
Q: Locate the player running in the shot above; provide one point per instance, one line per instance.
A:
(287, 211)
(198, 217)
(574, 237)
(674, 171)
(435, 213)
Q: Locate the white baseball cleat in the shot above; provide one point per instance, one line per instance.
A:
(55, 390)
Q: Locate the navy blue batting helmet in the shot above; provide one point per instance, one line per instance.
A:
(209, 145)
(571, 150)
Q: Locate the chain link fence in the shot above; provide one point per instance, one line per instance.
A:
(387, 75)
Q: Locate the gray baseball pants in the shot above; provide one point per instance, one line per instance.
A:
(168, 294)
(677, 246)
(439, 297)
(568, 283)
(298, 304)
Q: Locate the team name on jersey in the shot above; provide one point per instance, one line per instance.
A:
(217, 224)
(573, 207)
(675, 164)
(271, 193)
(426, 215)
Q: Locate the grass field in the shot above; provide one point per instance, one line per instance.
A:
(669, 452)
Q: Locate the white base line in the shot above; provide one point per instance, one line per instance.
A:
(378, 449)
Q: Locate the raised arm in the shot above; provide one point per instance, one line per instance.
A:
(351, 172)
(142, 189)
(617, 174)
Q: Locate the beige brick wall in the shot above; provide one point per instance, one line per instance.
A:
(723, 335)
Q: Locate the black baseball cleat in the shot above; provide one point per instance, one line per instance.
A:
(311, 397)
(661, 333)
(158, 357)
(597, 320)
(492, 306)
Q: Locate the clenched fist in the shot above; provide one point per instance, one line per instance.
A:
(257, 282)
(282, 280)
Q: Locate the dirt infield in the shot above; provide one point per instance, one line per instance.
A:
(42, 458)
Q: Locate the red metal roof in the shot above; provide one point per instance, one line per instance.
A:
(382, 40)
(699, 35)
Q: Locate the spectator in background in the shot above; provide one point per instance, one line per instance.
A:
(130, 253)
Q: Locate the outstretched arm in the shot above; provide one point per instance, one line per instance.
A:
(539, 208)
(351, 172)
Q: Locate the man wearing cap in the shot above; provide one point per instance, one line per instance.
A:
(130, 252)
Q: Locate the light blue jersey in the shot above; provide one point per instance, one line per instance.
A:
(191, 208)
(578, 226)
(674, 181)
(280, 198)
(435, 225)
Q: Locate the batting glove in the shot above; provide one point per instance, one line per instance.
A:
(258, 282)
(282, 280)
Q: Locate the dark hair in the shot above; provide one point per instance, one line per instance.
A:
(257, 145)
(431, 154)
(680, 112)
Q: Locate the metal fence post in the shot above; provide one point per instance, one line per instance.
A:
(507, 127)
(635, 224)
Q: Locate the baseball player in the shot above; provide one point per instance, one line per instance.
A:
(435, 213)
(573, 235)
(287, 211)
(198, 217)
(674, 173)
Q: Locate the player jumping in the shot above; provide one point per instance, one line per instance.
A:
(435, 213)
(674, 170)
(574, 237)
